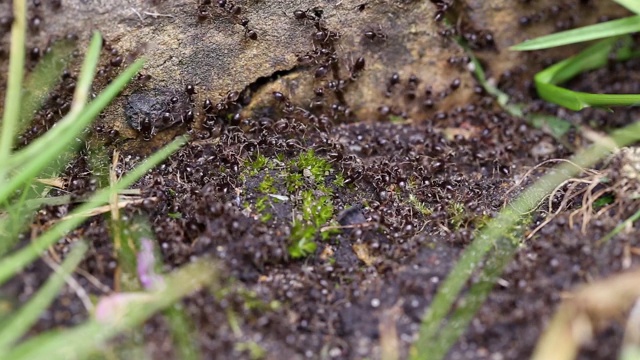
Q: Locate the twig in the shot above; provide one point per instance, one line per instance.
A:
(73, 284)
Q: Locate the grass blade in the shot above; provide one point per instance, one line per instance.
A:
(40, 82)
(65, 345)
(27, 315)
(626, 223)
(16, 261)
(593, 57)
(555, 126)
(15, 218)
(83, 85)
(593, 32)
(11, 114)
(632, 5)
(182, 333)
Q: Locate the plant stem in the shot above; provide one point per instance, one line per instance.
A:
(11, 114)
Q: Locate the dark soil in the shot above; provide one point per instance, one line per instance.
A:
(406, 195)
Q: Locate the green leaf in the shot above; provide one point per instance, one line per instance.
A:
(11, 115)
(633, 5)
(593, 57)
(40, 82)
(593, 32)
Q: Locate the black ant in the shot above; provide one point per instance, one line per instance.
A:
(251, 34)
(441, 8)
(375, 34)
(357, 68)
(393, 81)
(313, 14)
(284, 100)
(361, 7)
(232, 9)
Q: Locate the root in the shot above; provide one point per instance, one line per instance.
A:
(618, 177)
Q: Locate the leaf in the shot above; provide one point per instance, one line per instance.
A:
(11, 115)
(593, 57)
(593, 32)
(633, 5)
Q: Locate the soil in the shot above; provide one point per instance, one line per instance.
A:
(404, 174)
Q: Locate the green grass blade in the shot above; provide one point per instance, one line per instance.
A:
(40, 82)
(55, 141)
(83, 85)
(472, 301)
(627, 222)
(593, 32)
(20, 322)
(16, 261)
(632, 5)
(64, 345)
(15, 218)
(11, 115)
(593, 57)
(182, 333)
(435, 336)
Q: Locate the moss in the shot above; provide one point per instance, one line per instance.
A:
(262, 205)
(317, 167)
(481, 221)
(419, 206)
(254, 350)
(266, 186)
(602, 201)
(302, 240)
(339, 181)
(395, 119)
(316, 211)
(456, 215)
(258, 164)
(293, 181)
(516, 233)
(309, 180)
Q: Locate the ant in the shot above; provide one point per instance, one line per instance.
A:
(312, 14)
(361, 7)
(251, 34)
(357, 68)
(235, 11)
(375, 34)
(441, 9)
(284, 100)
